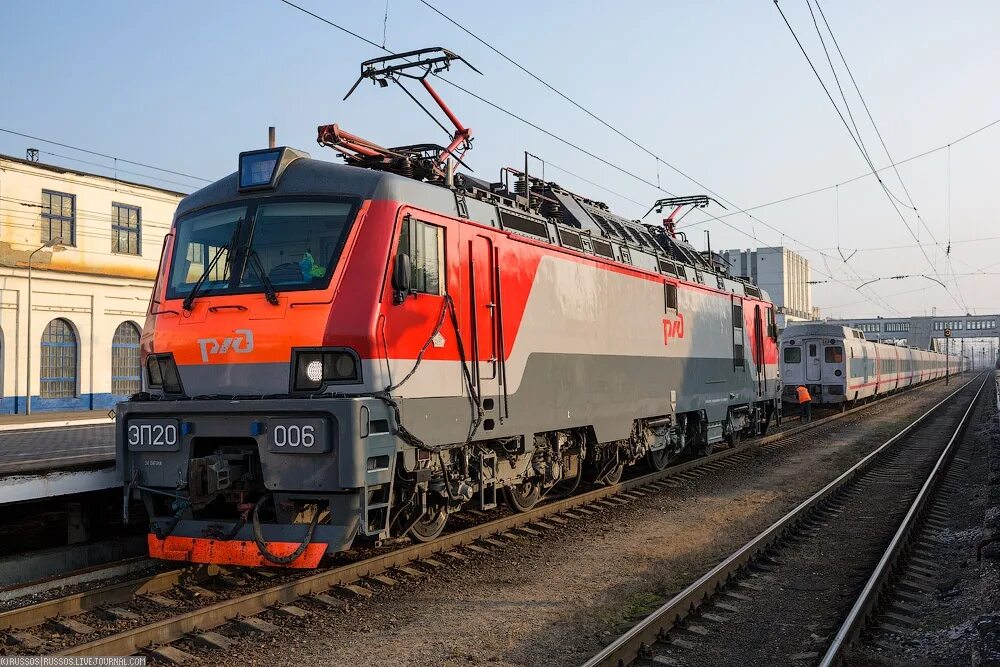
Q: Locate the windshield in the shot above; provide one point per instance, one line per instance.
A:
(294, 245)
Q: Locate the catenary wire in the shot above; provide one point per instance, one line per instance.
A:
(871, 165)
(613, 129)
(104, 155)
(859, 177)
(878, 133)
(571, 144)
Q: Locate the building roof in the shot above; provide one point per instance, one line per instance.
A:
(66, 170)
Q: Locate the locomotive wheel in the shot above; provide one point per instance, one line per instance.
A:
(614, 476)
(660, 459)
(429, 526)
(522, 497)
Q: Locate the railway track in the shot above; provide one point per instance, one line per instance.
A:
(133, 616)
(780, 598)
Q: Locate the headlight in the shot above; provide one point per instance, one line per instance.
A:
(314, 368)
(161, 373)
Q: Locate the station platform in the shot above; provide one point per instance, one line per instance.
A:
(55, 454)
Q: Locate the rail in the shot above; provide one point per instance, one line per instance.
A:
(868, 600)
(170, 629)
(631, 645)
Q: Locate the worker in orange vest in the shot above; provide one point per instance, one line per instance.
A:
(805, 403)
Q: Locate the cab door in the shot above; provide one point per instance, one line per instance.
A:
(813, 370)
(483, 317)
(758, 349)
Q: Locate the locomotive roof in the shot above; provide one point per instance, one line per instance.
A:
(581, 225)
(309, 176)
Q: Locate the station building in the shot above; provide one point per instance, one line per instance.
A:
(78, 257)
(784, 274)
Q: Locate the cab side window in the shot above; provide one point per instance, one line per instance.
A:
(424, 244)
(670, 296)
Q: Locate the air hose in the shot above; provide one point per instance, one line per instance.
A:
(258, 537)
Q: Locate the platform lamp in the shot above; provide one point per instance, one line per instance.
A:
(55, 245)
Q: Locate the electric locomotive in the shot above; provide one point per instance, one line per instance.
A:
(341, 352)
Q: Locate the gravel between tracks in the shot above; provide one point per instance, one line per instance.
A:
(960, 625)
(557, 600)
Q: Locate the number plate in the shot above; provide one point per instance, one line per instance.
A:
(153, 435)
(305, 435)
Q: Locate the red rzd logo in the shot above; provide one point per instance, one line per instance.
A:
(673, 328)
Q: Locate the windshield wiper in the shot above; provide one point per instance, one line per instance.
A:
(258, 267)
(193, 294)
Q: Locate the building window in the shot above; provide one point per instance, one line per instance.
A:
(126, 229)
(59, 217)
(126, 369)
(897, 327)
(58, 367)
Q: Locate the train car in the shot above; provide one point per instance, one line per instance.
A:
(354, 352)
(839, 367)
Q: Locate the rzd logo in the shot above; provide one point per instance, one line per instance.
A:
(673, 328)
(241, 343)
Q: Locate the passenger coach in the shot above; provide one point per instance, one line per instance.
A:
(839, 366)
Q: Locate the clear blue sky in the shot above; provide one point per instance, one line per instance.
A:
(718, 89)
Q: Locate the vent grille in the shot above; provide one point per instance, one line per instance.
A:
(570, 239)
(603, 248)
(526, 225)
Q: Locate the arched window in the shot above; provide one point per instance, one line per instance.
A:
(126, 370)
(58, 373)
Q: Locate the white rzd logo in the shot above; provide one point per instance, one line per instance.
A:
(241, 343)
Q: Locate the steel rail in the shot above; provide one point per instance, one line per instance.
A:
(631, 645)
(32, 615)
(78, 603)
(130, 641)
(861, 613)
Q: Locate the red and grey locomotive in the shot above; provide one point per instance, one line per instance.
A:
(342, 352)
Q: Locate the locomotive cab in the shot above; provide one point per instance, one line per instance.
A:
(259, 369)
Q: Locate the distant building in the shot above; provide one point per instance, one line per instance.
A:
(921, 331)
(784, 274)
(89, 289)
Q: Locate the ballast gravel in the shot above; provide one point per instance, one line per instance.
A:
(558, 598)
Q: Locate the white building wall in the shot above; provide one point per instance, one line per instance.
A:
(88, 285)
(783, 273)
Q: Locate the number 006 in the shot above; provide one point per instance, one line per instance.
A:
(293, 435)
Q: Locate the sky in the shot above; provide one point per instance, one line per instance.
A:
(718, 90)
